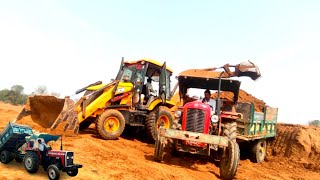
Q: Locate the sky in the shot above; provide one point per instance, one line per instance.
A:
(66, 45)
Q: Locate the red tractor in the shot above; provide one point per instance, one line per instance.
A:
(206, 130)
(53, 160)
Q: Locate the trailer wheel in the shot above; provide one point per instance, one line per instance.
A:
(31, 162)
(6, 157)
(53, 172)
(158, 149)
(72, 173)
(110, 124)
(259, 150)
(230, 160)
(230, 130)
(158, 116)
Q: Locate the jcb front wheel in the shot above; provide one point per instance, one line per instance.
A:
(230, 161)
(110, 124)
(157, 117)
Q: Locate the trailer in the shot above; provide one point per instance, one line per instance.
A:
(11, 139)
(254, 129)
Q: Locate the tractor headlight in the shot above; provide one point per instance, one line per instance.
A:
(177, 113)
(67, 157)
(214, 118)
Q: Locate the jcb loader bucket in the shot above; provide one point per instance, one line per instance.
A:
(50, 112)
(249, 69)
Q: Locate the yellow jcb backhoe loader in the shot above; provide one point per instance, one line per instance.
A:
(125, 101)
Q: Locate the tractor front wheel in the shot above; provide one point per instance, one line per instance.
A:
(31, 162)
(53, 172)
(230, 160)
(6, 157)
(259, 150)
(158, 149)
(110, 124)
(72, 173)
(157, 117)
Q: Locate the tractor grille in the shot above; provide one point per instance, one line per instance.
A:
(69, 159)
(195, 120)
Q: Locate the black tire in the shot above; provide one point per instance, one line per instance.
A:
(230, 130)
(31, 162)
(72, 173)
(113, 117)
(259, 151)
(6, 157)
(86, 123)
(158, 149)
(230, 161)
(154, 119)
(53, 172)
(18, 159)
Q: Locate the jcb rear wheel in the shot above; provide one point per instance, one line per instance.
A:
(156, 118)
(230, 161)
(110, 124)
(230, 130)
(259, 150)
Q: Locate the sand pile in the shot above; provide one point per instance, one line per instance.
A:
(298, 144)
(244, 97)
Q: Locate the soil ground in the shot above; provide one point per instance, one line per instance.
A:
(294, 154)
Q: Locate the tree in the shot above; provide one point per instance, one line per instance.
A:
(14, 95)
(315, 123)
(43, 90)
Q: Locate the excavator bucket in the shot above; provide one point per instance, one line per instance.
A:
(52, 113)
(249, 69)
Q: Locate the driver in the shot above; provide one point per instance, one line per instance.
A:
(43, 147)
(149, 87)
(207, 99)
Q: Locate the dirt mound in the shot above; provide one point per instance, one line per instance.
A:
(243, 97)
(298, 144)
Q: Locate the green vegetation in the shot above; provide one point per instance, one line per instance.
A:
(14, 95)
(315, 123)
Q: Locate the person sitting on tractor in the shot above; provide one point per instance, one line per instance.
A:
(207, 99)
(43, 147)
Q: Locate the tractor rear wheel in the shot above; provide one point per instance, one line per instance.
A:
(6, 157)
(230, 160)
(31, 162)
(110, 124)
(72, 173)
(158, 149)
(53, 172)
(159, 116)
(230, 130)
(259, 150)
